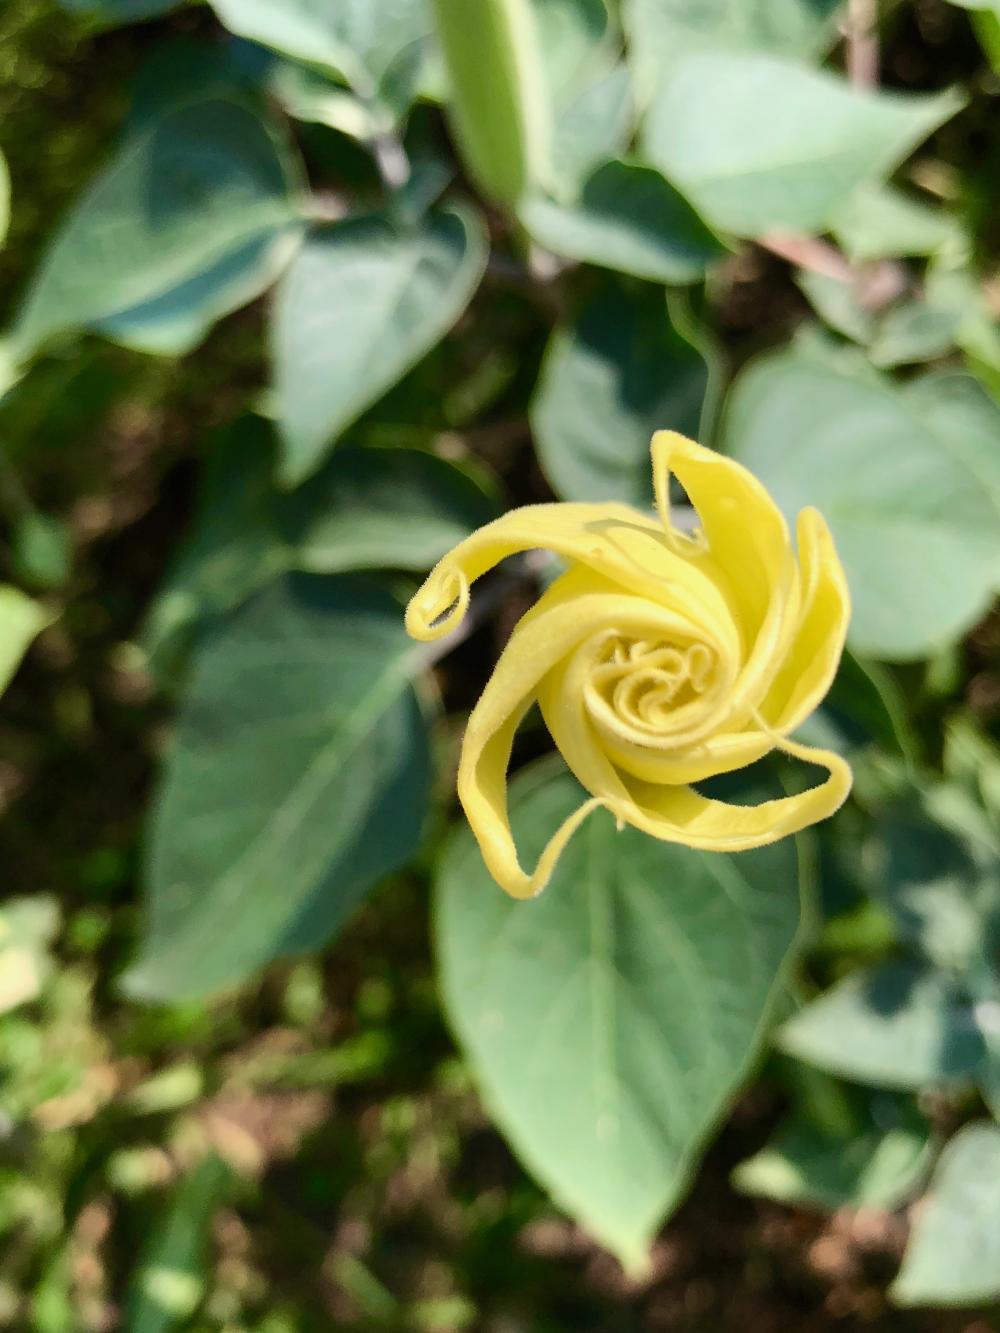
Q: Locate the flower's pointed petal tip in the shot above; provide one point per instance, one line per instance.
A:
(439, 605)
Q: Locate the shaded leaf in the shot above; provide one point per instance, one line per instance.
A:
(297, 780)
(896, 1025)
(382, 508)
(758, 143)
(620, 372)
(176, 322)
(179, 200)
(630, 219)
(360, 305)
(876, 1167)
(609, 1021)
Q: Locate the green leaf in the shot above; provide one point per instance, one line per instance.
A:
(908, 332)
(897, 1025)
(367, 508)
(758, 143)
(879, 1166)
(907, 476)
(593, 126)
(498, 102)
(382, 508)
(233, 549)
(610, 1021)
(376, 46)
(621, 371)
(297, 780)
(41, 549)
(574, 44)
(877, 221)
(630, 219)
(360, 305)
(172, 1273)
(176, 322)
(663, 31)
(20, 620)
(934, 863)
(953, 1255)
(838, 304)
(178, 200)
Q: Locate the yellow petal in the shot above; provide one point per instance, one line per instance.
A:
(812, 658)
(579, 607)
(749, 551)
(682, 815)
(611, 539)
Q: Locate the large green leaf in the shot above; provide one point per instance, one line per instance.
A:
(362, 302)
(628, 218)
(377, 46)
(609, 1021)
(20, 620)
(758, 143)
(897, 1025)
(953, 1255)
(619, 373)
(662, 31)
(498, 97)
(297, 780)
(179, 199)
(907, 476)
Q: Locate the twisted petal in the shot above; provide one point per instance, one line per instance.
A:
(749, 549)
(812, 657)
(611, 539)
(579, 606)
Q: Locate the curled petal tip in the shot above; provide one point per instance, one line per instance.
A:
(439, 605)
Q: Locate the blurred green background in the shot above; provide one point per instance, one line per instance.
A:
(294, 296)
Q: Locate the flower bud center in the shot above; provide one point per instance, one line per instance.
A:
(644, 682)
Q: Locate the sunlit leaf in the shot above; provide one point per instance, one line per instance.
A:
(176, 206)
(759, 144)
(897, 1025)
(609, 1021)
(20, 620)
(953, 1255)
(908, 478)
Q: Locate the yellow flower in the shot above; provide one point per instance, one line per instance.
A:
(657, 659)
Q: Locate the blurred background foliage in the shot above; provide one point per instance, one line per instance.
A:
(295, 295)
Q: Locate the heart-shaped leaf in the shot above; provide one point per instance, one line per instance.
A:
(362, 302)
(609, 1021)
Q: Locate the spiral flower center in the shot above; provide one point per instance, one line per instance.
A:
(646, 683)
